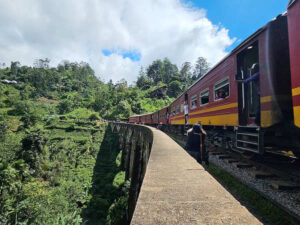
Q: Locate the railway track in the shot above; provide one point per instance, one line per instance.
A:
(275, 177)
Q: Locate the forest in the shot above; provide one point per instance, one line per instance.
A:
(55, 166)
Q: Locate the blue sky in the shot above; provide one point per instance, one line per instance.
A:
(118, 37)
(241, 17)
(134, 56)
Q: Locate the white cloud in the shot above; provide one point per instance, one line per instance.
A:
(80, 30)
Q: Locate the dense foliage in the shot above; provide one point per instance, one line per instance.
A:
(52, 168)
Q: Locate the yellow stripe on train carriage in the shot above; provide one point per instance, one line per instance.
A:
(219, 120)
(274, 98)
(228, 106)
(266, 99)
(296, 91)
(178, 122)
(297, 116)
(269, 117)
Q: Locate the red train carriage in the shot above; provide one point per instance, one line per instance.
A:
(155, 118)
(148, 118)
(163, 116)
(294, 44)
(145, 118)
(246, 99)
(177, 111)
(134, 119)
(218, 100)
(206, 104)
(142, 119)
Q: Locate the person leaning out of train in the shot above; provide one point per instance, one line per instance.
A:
(221, 94)
(196, 144)
(186, 112)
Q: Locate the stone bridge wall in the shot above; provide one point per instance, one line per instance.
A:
(135, 142)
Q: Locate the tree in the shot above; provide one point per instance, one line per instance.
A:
(174, 89)
(155, 71)
(121, 85)
(30, 113)
(102, 102)
(201, 68)
(169, 71)
(142, 79)
(185, 71)
(122, 110)
(14, 66)
(3, 130)
(33, 145)
(42, 63)
(65, 106)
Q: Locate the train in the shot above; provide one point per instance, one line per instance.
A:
(250, 100)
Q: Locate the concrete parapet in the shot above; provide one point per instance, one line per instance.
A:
(176, 189)
(135, 141)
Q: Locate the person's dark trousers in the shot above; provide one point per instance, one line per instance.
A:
(195, 155)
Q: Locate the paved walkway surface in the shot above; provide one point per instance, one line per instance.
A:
(177, 190)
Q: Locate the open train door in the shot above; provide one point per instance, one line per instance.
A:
(248, 134)
(248, 90)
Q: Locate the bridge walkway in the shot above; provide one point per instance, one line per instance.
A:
(177, 190)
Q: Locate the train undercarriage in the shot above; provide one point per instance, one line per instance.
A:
(249, 140)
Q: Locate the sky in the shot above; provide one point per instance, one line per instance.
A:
(117, 37)
(241, 17)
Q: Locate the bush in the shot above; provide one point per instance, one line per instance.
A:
(94, 116)
(81, 113)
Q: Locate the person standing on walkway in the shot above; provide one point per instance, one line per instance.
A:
(196, 144)
(201, 128)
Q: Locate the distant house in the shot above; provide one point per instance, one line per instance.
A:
(159, 92)
(5, 81)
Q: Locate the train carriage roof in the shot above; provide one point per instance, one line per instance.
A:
(291, 2)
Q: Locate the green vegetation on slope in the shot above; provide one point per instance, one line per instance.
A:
(52, 169)
(109, 192)
(47, 174)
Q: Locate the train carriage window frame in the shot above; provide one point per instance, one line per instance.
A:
(173, 110)
(194, 98)
(182, 107)
(177, 110)
(221, 84)
(204, 93)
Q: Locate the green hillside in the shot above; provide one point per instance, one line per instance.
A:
(54, 168)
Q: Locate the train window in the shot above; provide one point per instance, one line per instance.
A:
(221, 89)
(173, 110)
(194, 102)
(204, 97)
(177, 109)
(181, 107)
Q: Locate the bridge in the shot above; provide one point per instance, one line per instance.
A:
(170, 187)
